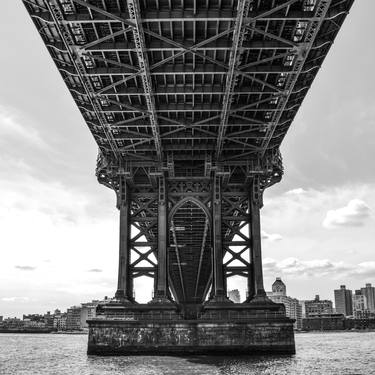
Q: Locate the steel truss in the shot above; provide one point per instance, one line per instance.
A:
(188, 71)
(189, 103)
(191, 238)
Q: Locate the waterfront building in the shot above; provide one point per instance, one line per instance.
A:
(1, 318)
(316, 307)
(88, 311)
(73, 318)
(293, 309)
(324, 322)
(33, 324)
(33, 321)
(369, 292)
(343, 301)
(33, 318)
(234, 295)
(12, 323)
(48, 319)
(360, 307)
(59, 321)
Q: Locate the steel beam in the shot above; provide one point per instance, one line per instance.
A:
(186, 15)
(256, 247)
(219, 292)
(234, 61)
(182, 45)
(133, 8)
(188, 69)
(124, 291)
(161, 292)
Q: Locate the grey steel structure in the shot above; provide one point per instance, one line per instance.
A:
(189, 102)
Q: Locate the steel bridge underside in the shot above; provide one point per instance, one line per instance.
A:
(185, 97)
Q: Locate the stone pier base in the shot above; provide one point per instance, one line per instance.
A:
(184, 337)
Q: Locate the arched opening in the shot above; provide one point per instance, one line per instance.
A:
(143, 288)
(189, 252)
(236, 284)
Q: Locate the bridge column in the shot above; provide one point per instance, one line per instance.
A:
(124, 283)
(161, 285)
(218, 284)
(256, 273)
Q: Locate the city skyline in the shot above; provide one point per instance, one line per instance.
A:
(60, 227)
(236, 296)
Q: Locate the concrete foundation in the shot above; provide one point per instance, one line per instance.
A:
(236, 334)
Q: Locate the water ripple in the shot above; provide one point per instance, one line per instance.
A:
(335, 353)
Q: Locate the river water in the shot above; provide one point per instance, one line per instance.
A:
(336, 353)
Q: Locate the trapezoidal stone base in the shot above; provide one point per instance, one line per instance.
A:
(184, 337)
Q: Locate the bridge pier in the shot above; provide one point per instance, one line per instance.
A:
(181, 318)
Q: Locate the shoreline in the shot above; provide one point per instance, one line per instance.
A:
(336, 330)
(24, 331)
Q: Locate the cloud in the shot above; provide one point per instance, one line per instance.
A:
(354, 214)
(25, 268)
(271, 237)
(297, 191)
(95, 270)
(318, 268)
(365, 269)
(15, 299)
(12, 126)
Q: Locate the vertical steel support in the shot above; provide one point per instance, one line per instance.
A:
(124, 284)
(256, 202)
(161, 291)
(250, 273)
(218, 286)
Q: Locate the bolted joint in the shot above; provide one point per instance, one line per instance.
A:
(301, 51)
(257, 192)
(122, 193)
(217, 190)
(162, 190)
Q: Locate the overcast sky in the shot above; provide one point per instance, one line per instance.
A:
(59, 227)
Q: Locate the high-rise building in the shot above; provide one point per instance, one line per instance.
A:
(316, 307)
(360, 308)
(234, 295)
(343, 301)
(369, 292)
(293, 308)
